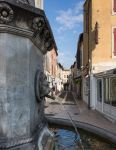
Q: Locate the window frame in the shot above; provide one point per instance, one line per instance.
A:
(113, 12)
(112, 101)
(109, 101)
(102, 94)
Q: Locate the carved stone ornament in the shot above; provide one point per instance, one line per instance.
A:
(6, 13)
(23, 1)
(46, 33)
(33, 25)
(49, 44)
(38, 24)
(41, 85)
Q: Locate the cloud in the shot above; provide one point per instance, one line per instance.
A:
(68, 26)
(66, 59)
(75, 32)
(79, 7)
(69, 19)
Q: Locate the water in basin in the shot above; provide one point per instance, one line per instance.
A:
(66, 139)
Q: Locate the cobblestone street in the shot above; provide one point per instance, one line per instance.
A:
(78, 111)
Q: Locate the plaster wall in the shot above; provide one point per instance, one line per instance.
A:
(101, 54)
(102, 13)
(65, 75)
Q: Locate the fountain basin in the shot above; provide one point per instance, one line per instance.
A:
(91, 135)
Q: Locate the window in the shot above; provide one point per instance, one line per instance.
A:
(114, 43)
(106, 91)
(113, 91)
(99, 90)
(110, 91)
(114, 6)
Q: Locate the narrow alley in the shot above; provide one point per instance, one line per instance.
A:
(57, 74)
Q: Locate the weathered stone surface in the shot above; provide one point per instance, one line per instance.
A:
(23, 1)
(20, 60)
(24, 36)
(27, 21)
(28, 2)
(21, 116)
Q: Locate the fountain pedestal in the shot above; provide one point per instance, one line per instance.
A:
(25, 36)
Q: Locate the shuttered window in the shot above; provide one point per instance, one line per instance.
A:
(114, 41)
(114, 5)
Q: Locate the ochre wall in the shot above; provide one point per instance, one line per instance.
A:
(98, 11)
(102, 13)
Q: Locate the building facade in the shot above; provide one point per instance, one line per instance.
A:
(39, 4)
(65, 77)
(59, 79)
(73, 78)
(99, 55)
(79, 60)
(47, 66)
(50, 67)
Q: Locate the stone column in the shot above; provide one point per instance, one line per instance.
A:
(25, 36)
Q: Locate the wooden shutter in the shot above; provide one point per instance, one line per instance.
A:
(96, 33)
(114, 6)
(114, 50)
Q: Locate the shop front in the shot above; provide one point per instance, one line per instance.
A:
(106, 94)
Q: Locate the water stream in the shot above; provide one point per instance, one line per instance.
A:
(66, 139)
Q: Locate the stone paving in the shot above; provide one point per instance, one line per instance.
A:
(62, 108)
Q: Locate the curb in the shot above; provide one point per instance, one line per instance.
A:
(109, 136)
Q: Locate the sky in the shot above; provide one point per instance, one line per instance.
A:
(66, 20)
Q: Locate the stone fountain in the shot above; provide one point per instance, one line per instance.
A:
(25, 36)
